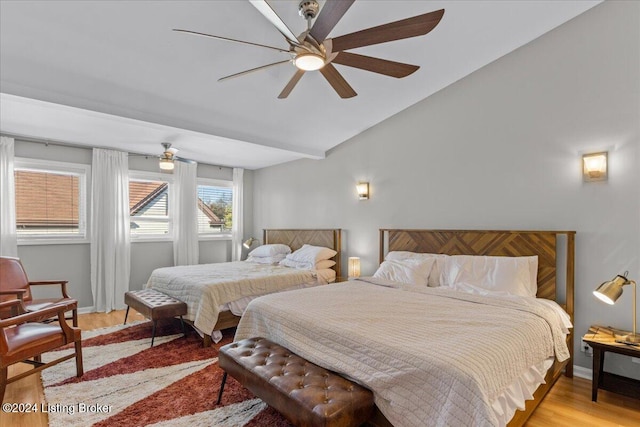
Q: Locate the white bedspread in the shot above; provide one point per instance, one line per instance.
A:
(205, 287)
(431, 356)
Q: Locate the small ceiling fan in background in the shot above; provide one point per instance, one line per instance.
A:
(311, 50)
(168, 157)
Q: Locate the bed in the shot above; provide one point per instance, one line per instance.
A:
(216, 294)
(436, 354)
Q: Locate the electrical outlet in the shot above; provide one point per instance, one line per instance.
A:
(586, 349)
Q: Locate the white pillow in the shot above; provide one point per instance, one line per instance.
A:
(273, 260)
(302, 265)
(434, 276)
(311, 254)
(511, 275)
(270, 250)
(412, 271)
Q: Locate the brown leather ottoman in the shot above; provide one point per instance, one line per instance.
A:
(306, 394)
(154, 305)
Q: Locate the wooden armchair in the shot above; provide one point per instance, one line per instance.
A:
(15, 284)
(22, 338)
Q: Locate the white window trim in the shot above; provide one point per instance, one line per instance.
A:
(154, 176)
(215, 183)
(84, 171)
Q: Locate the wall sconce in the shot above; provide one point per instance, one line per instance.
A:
(594, 167)
(610, 291)
(247, 243)
(354, 266)
(363, 190)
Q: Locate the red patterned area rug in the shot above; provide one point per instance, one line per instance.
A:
(127, 383)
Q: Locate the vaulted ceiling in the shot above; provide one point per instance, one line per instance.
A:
(114, 74)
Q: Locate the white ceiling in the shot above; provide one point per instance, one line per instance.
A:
(113, 74)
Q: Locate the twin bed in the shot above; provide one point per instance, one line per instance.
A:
(436, 355)
(217, 294)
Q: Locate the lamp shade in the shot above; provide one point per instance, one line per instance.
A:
(611, 290)
(354, 266)
(166, 164)
(247, 243)
(363, 190)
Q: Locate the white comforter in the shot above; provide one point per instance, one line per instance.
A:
(205, 287)
(432, 356)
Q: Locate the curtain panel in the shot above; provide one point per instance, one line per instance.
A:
(184, 208)
(8, 234)
(110, 228)
(237, 232)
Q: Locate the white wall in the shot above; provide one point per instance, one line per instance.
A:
(72, 261)
(499, 149)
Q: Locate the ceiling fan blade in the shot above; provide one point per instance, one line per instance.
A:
(229, 40)
(403, 29)
(267, 11)
(292, 83)
(330, 14)
(242, 73)
(376, 65)
(338, 82)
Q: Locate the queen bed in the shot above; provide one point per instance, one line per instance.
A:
(437, 355)
(217, 294)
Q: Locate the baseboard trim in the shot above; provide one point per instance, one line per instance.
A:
(85, 310)
(582, 372)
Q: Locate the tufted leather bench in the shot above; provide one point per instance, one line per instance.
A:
(306, 394)
(154, 305)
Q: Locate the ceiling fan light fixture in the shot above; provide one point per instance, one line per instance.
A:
(166, 164)
(308, 61)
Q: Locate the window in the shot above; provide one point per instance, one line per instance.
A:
(50, 201)
(149, 206)
(214, 207)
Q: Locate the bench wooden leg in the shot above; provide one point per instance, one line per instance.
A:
(153, 332)
(224, 380)
(184, 331)
(126, 315)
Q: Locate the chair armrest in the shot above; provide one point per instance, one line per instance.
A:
(17, 292)
(62, 283)
(16, 305)
(34, 316)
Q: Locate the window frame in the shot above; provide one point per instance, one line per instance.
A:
(154, 176)
(83, 171)
(215, 183)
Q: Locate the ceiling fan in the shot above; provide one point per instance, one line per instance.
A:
(311, 50)
(168, 157)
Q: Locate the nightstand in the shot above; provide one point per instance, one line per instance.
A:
(341, 279)
(602, 339)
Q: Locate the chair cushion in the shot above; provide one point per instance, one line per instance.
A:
(40, 304)
(22, 337)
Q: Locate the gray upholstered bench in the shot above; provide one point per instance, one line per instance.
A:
(154, 305)
(304, 393)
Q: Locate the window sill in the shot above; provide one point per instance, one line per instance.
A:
(45, 242)
(208, 237)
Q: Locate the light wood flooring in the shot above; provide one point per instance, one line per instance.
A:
(568, 404)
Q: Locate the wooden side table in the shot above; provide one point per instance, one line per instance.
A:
(602, 339)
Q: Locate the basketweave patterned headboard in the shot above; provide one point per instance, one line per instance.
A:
(295, 238)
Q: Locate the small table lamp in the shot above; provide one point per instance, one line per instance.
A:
(354, 267)
(610, 291)
(247, 243)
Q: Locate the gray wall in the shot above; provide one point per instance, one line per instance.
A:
(499, 149)
(72, 261)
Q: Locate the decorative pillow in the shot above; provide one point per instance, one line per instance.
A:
(270, 250)
(434, 276)
(311, 254)
(498, 274)
(412, 271)
(303, 265)
(273, 260)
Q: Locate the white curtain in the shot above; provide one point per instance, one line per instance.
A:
(184, 208)
(8, 236)
(110, 240)
(237, 232)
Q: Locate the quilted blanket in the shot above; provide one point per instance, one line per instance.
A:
(205, 287)
(432, 356)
